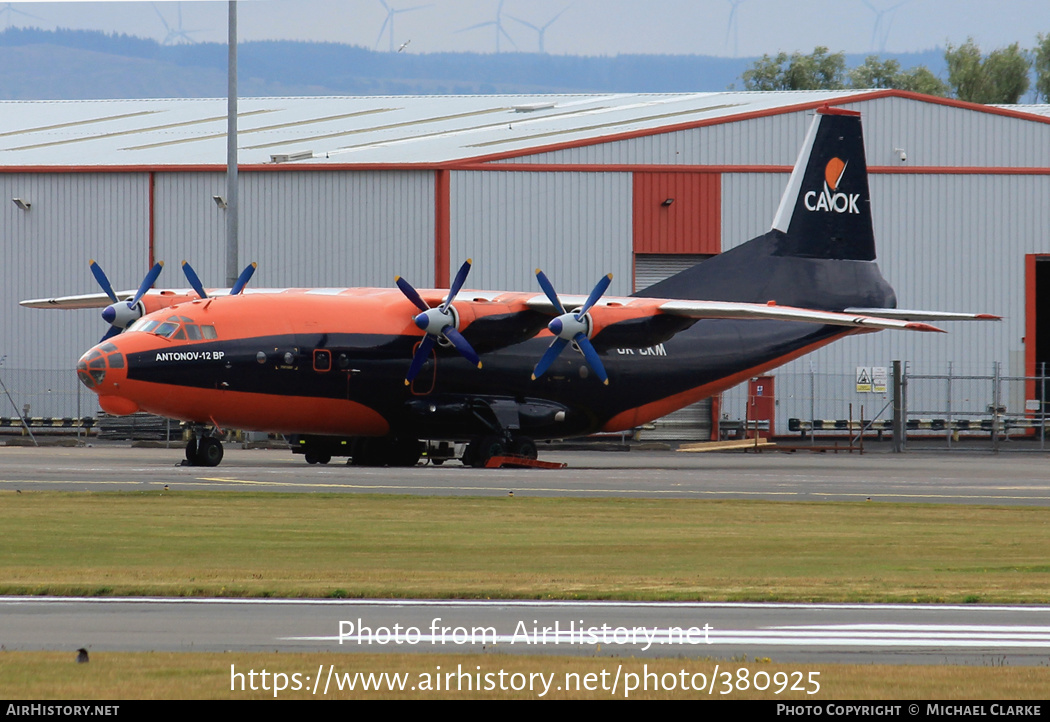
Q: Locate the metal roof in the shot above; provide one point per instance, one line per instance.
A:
(153, 133)
(350, 130)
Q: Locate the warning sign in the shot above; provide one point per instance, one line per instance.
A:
(863, 379)
(878, 379)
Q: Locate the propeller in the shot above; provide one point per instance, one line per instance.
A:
(121, 314)
(438, 323)
(238, 286)
(572, 327)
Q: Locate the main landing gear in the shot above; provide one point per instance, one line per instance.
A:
(203, 450)
(480, 450)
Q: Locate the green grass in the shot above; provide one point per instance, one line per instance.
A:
(315, 545)
(152, 675)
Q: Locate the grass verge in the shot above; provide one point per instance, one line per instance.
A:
(316, 545)
(151, 675)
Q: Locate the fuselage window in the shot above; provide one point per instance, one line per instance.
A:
(208, 331)
(322, 360)
(193, 332)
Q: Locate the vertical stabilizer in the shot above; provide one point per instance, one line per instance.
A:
(826, 209)
(820, 251)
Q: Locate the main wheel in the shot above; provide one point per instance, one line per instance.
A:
(486, 448)
(524, 446)
(209, 451)
(191, 451)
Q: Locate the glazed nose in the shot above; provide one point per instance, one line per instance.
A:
(92, 367)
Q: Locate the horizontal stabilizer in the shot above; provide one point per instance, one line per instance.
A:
(772, 312)
(911, 315)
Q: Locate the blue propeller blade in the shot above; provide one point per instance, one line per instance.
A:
(147, 282)
(410, 294)
(457, 284)
(243, 279)
(592, 357)
(564, 324)
(431, 318)
(420, 357)
(553, 351)
(548, 289)
(100, 276)
(599, 289)
(113, 331)
(195, 281)
(461, 345)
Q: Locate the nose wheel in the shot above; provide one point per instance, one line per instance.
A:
(204, 451)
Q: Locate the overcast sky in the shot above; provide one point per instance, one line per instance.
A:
(583, 27)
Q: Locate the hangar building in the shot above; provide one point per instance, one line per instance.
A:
(351, 191)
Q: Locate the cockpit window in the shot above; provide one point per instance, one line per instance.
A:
(179, 328)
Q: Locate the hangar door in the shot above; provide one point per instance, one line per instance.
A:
(693, 423)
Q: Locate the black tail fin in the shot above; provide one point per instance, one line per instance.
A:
(820, 251)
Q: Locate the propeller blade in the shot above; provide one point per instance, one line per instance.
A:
(147, 282)
(599, 289)
(593, 360)
(548, 289)
(113, 331)
(194, 279)
(243, 279)
(553, 351)
(100, 276)
(457, 284)
(420, 357)
(461, 345)
(410, 294)
(572, 326)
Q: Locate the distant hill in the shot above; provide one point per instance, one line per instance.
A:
(73, 64)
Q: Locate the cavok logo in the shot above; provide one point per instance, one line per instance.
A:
(830, 199)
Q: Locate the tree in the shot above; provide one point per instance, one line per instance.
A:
(1042, 68)
(876, 73)
(1002, 77)
(820, 70)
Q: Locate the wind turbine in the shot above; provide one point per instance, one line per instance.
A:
(732, 28)
(541, 30)
(9, 9)
(880, 34)
(498, 23)
(176, 34)
(389, 22)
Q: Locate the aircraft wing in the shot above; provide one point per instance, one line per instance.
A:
(609, 308)
(87, 300)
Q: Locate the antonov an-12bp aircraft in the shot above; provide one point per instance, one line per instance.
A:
(389, 368)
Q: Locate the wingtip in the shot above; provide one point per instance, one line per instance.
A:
(925, 327)
(988, 317)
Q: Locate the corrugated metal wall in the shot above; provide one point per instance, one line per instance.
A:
(304, 228)
(575, 226)
(677, 213)
(72, 218)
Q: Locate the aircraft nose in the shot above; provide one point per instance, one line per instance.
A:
(102, 363)
(91, 368)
